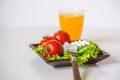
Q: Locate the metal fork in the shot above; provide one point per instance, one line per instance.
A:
(75, 69)
(73, 51)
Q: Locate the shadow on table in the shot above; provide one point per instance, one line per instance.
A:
(93, 71)
(47, 72)
(96, 71)
(109, 60)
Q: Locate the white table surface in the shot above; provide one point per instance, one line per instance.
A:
(19, 62)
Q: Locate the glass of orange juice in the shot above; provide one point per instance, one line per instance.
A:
(71, 21)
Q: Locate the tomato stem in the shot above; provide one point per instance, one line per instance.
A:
(45, 37)
(47, 49)
(60, 31)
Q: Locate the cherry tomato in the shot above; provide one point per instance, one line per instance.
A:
(53, 47)
(45, 39)
(62, 36)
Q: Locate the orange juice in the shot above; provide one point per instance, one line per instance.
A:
(72, 23)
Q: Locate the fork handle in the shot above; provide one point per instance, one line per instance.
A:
(76, 73)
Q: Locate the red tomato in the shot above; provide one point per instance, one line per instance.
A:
(62, 36)
(45, 39)
(53, 47)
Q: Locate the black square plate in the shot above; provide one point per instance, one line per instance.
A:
(66, 62)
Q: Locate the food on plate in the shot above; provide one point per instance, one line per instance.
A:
(52, 49)
(62, 36)
(85, 50)
(83, 53)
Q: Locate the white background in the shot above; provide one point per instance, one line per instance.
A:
(19, 62)
(38, 13)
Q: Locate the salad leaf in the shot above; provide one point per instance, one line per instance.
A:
(40, 50)
(90, 51)
(66, 55)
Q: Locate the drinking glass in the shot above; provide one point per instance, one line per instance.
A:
(71, 21)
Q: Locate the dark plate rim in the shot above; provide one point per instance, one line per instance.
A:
(102, 55)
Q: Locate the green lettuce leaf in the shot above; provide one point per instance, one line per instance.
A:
(90, 51)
